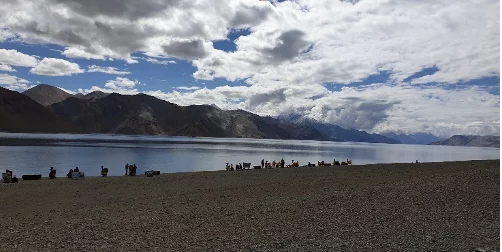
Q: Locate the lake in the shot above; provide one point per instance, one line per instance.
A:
(36, 153)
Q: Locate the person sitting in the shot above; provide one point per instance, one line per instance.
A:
(231, 167)
(52, 173)
(76, 169)
(70, 173)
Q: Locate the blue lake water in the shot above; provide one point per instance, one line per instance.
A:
(36, 153)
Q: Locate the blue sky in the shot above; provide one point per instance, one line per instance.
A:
(369, 65)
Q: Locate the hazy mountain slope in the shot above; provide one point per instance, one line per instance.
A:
(416, 138)
(46, 94)
(337, 132)
(19, 113)
(471, 140)
(352, 135)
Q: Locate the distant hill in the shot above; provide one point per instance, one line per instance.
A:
(46, 94)
(336, 132)
(471, 140)
(19, 113)
(415, 138)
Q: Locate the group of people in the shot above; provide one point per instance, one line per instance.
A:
(8, 178)
(335, 163)
(280, 164)
(130, 169)
(230, 167)
(70, 173)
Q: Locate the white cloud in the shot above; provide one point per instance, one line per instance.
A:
(187, 88)
(13, 82)
(56, 67)
(6, 68)
(119, 85)
(161, 62)
(350, 42)
(121, 82)
(120, 90)
(15, 58)
(108, 70)
(73, 52)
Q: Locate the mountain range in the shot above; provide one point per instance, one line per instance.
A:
(415, 138)
(45, 108)
(135, 114)
(471, 140)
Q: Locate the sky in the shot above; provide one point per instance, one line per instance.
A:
(405, 66)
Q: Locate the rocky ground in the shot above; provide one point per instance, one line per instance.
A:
(451, 206)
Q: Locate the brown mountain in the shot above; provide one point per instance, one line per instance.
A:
(46, 94)
(143, 114)
(19, 113)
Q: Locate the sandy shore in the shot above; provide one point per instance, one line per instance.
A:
(451, 206)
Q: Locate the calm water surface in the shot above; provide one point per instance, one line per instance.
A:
(35, 153)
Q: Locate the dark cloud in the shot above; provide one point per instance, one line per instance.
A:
(70, 37)
(275, 97)
(247, 16)
(289, 45)
(123, 39)
(189, 50)
(130, 9)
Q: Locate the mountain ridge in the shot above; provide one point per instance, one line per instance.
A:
(47, 95)
(470, 140)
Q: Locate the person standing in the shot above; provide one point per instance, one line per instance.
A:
(126, 168)
(262, 163)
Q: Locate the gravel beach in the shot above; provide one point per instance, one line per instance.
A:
(448, 206)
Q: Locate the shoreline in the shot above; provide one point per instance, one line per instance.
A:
(446, 206)
(300, 167)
